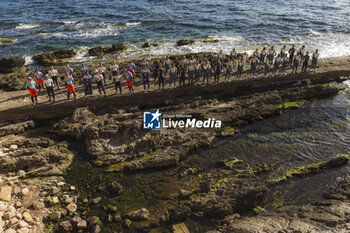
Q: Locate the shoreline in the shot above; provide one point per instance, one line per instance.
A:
(15, 99)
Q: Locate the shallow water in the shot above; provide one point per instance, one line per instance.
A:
(45, 25)
(313, 133)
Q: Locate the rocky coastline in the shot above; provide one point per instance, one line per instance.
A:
(36, 153)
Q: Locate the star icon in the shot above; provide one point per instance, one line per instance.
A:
(155, 115)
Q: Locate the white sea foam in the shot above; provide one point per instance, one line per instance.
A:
(28, 60)
(22, 26)
(131, 24)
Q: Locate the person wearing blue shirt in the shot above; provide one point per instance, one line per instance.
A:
(68, 70)
(39, 79)
(70, 85)
(31, 86)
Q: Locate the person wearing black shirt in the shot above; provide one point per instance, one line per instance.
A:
(291, 54)
(305, 62)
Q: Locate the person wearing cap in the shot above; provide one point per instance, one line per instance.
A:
(53, 73)
(69, 80)
(31, 86)
(117, 78)
(88, 84)
(98, 77)
(49, 85)
(39, 79)
(129, 77)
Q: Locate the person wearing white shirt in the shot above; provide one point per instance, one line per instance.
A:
(102, 71)
(53, 74)
(99, 80)
(49, 86)
(114, 68)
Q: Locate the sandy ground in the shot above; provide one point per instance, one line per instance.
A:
(14, 99)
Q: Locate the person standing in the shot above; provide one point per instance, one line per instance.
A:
(190, 73)
(167, 64)
(296, 62)
(145, 73)
(49, 85)
(132, 67)
(277, 64)
(156, 63)
(69, 80)
(129, 77)
(117, 78)
(217, 73)
(84, 70)
(144, 63)
(197, 72)
(53, 73)
(68, 70)
(314, 60)
(114, 68)
(253, 64)
(87, 79)
(262, 56)
(291, 54)
(31, 86)
(98, 77)
(302, 52)
(305, 62)
(206, 71)
(173, 75)
(272, 53)
(229, 67)
(39, 79)
(102, 71)
(182, 75)
(283, 51)
(161, 76)
(240, 66)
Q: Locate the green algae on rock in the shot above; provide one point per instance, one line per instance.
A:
(312, 168)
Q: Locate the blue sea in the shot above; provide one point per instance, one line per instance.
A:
(39, 25)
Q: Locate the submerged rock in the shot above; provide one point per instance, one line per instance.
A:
(184, 42)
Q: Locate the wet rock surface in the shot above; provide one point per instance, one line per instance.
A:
(54, 57)
(330, 215)
(11, 65)
(35, 155)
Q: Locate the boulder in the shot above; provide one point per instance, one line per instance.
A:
(67, 226)
(118, 48)
(96, 229)
(139, 215)
(82, 224)
(54, 57)
(184, 42)
(5, 193)
(146, 45)
(96, 51)
(72, 207)
(12, 65)
(55, 215)
(27, 217)
(94, 220)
